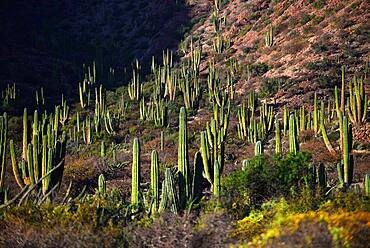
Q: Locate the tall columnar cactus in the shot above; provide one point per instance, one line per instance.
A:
(3, 144)
(25, 135)
(342, 93)
(135, 88)
(172, 197)
(315, 115)
(285, 120)
(102, 185)
(102, 149)
(162, 141)
(357, 103)
(293, 138)
(183, 161)
(339, 115)
(204, 150)
(323, 131)
(322, 176)
(367, 184)
(197, 177)
(347, 152)
(45, 155)
(154, 179)
(135, 181)
(216, 179)
(277, 137)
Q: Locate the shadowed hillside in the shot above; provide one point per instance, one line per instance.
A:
(196, 123)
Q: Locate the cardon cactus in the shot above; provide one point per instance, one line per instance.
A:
(3, 144)
(169, 198)
(367, 184)
(347, 152)
(135, 181)
(45, 155)
(154, 179)
(197, 177)
(183, 161)
(217, 179)
(293, 138)
(277, 137)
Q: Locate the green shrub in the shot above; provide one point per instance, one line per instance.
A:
(263, 179)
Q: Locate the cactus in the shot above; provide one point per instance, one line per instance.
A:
(102, 149)
(216, 179)
(293, 139)
(258, 149)
(245, 164)
(340, 174)
(315, 115)
(162, 141)
(81, 94)
(135, 181)
(44, 154)
(339, 115)
(285, 120)
(204, 150)
(323, 131)
(197, 177)
(357, 103)
(154, 179)
(347, 150)
(135, 88)
(367, 184)
(3, 145)
(102, 185)
(25, 135)
(269, 37)
(183, 161)
(277, 137)
(322, 176)
(171, 191)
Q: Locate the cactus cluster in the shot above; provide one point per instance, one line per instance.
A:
(42, 154)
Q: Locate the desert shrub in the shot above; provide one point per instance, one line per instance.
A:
(260, 68)
(245, 190)
(319, 47)
(291, 171)
(317, 229)
(263, 179)
(270, 86)
(305, 19)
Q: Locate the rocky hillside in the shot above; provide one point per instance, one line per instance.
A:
(311, 40)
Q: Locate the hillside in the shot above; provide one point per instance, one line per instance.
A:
(185, 123)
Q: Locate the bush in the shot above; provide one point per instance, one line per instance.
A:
(262, 179)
